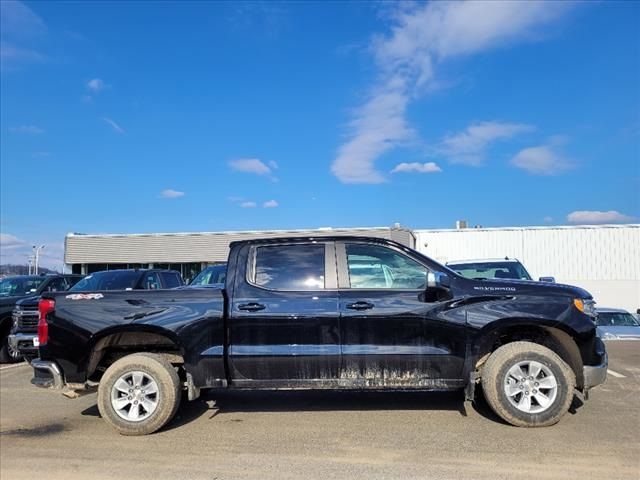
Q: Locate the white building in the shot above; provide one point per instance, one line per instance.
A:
(603, 259)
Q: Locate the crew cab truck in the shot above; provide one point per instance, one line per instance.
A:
(324, 313)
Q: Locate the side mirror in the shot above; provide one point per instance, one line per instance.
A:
(438, 280)
(547, 279)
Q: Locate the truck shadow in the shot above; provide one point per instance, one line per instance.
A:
(221, 403)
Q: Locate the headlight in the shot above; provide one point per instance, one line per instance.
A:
(588, 307)
(609, 336)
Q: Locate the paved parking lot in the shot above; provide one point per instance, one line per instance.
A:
(280, 435)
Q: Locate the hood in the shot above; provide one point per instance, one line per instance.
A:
(29, 301)
(621, 332)
(6, 301)
(528, 287)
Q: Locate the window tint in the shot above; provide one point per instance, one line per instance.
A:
(214, 274)
(109, 280)
(150, 281)
(485, 270)
(290, 267)
(57, 285)
(15, 286)
(170, 280)
(616, 320)
(374, 266)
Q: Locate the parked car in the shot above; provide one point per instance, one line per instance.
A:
(506, 267)
(12, 289)
(213, 275)
(302, 313)
(24, 334)
(617, 324)
(130, 279)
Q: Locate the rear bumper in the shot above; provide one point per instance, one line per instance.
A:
(595, 375)
(23, 342)
(46, 374)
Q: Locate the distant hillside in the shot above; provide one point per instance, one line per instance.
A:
(7, 270)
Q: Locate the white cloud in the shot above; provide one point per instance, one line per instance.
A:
(8, 241)
(170, 193)
(18, 21)
(113, 125)
(547, 219)
(95, 85)
(470, 146)
(422, 35)
(27, 130)
(428, 167)
(541, 160)
(20, 27)
(248, 204)
(270, 204)
(596, 217)
(254, 166)
(16, 251)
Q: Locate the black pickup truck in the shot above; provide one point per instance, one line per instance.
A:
(325, 312)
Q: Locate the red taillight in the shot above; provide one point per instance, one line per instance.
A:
(45, 306)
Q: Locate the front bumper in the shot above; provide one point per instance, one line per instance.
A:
(46, 374)
(595, 375)
(23, 342)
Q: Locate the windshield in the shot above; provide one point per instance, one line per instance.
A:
(19, 286)
(616, 319)
(211, 275)
(487, 270)
(109, 280)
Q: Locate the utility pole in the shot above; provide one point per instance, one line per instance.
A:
(37, 255)
(30, 265)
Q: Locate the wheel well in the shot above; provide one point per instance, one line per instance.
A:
(114, 346)
(555, 339)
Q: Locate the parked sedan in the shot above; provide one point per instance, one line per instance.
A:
(617, 324)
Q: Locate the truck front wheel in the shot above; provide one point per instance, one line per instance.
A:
(139, 394)
(527, 384)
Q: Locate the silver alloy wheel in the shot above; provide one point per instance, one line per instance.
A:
(135, 396)
(530, 386)
(14, 353)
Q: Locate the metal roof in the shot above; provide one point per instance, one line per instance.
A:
(196, 247)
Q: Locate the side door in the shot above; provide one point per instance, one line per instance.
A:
(284, 323)
(394, 331)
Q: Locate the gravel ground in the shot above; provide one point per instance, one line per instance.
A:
(323, 435)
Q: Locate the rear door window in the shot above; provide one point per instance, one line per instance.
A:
(289, 267)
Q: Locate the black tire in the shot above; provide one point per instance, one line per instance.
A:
(495, 376)
(5, 351)
(168, 397)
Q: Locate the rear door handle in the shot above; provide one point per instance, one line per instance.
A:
(251, 307)
(360, 306)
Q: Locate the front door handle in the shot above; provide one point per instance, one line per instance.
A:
(360, 306)
(251, 307)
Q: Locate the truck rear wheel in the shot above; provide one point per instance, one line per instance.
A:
(527, 384)
(139, 394)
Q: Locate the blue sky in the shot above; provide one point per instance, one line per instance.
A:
(201, 116)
